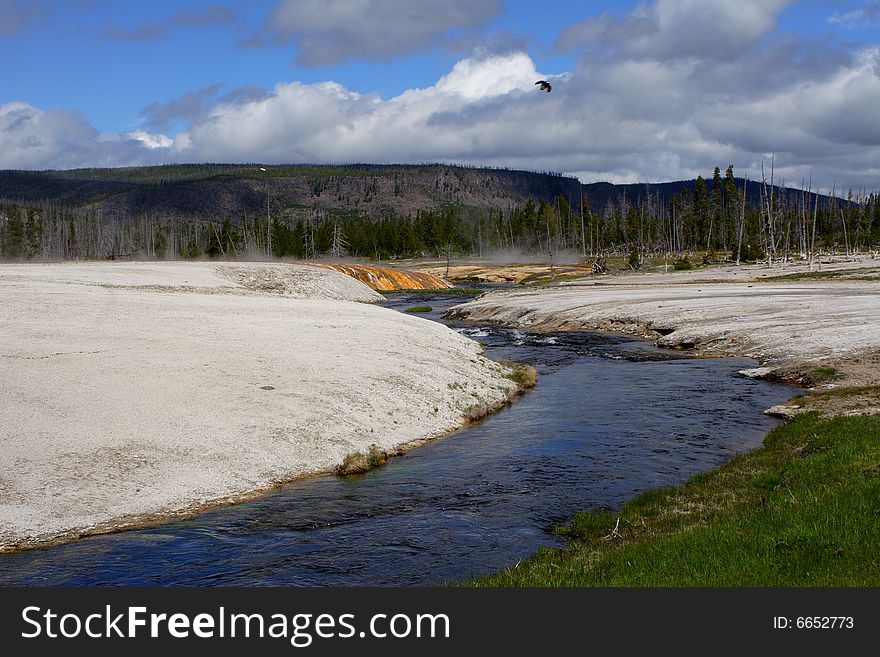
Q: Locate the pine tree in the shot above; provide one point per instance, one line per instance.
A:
(715, 218)
(731, 203)
(701, 207)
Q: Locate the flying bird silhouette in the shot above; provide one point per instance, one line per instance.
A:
(543, 85)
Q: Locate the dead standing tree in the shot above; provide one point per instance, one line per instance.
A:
(742, 223)
(768, 203)
(339, 245)
(446, 250)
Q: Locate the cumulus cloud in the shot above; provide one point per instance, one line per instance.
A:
(327, 32)
(190, 106)
(624, 117)
(459, 117)
(672, 29)
(245, 94)
(31, 138)
(149, 140)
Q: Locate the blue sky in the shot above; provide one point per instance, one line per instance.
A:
(655, 90)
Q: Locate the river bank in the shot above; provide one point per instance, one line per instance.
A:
(472, 502)
(794, 328)
(142, 391)
(799, 510)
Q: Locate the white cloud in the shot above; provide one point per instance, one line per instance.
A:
(867, 16)
(327, 32)
(673, 29)
(31, 138)
(624, 116)
(190, 105)
(151, 141)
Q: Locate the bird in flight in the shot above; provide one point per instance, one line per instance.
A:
(543, 85)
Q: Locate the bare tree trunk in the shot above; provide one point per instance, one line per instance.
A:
(742, 223)
(268, 227)
(583, 239)
(813, 238)
(219, 241)
(550, 240)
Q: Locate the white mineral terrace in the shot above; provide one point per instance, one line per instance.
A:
(777, 322)
(137, 391)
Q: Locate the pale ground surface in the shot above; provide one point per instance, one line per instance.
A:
(782, 324)
(135, 391)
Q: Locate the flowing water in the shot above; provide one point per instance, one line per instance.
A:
(610, 417)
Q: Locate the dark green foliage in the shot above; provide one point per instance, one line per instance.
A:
(388, 212)
(525, 376)
(683, 263)
(751, 251)
(634, 260)
(823, 374)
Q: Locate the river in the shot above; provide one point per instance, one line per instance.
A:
(611, 416)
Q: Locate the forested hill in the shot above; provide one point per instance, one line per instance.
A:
(234, 191)
(401, 211)
(217, 192)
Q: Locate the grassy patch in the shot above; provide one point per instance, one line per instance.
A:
(807, 376)
(823, 374)
(525, 376)
(837, 401)
(847, 274)
(358, 462)
(419, 309)
(802, 510)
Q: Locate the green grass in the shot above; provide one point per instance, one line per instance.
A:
(836, 401)
(803, 510)
(358, 462)
(525, 376)
(823, 374)
(843, 394)
(419, 309)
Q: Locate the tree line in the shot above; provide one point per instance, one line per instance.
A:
(738, 220)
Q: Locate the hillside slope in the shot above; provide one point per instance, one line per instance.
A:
(208, 191)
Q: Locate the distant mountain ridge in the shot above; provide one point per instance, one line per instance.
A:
(212, 191)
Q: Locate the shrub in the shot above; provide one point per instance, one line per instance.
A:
(750, 251)
(357, 462)
(823, 374)
(635, 258)
(525, 376)
(682, 263)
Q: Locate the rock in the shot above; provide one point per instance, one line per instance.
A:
(757, 372)
(783, 411)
